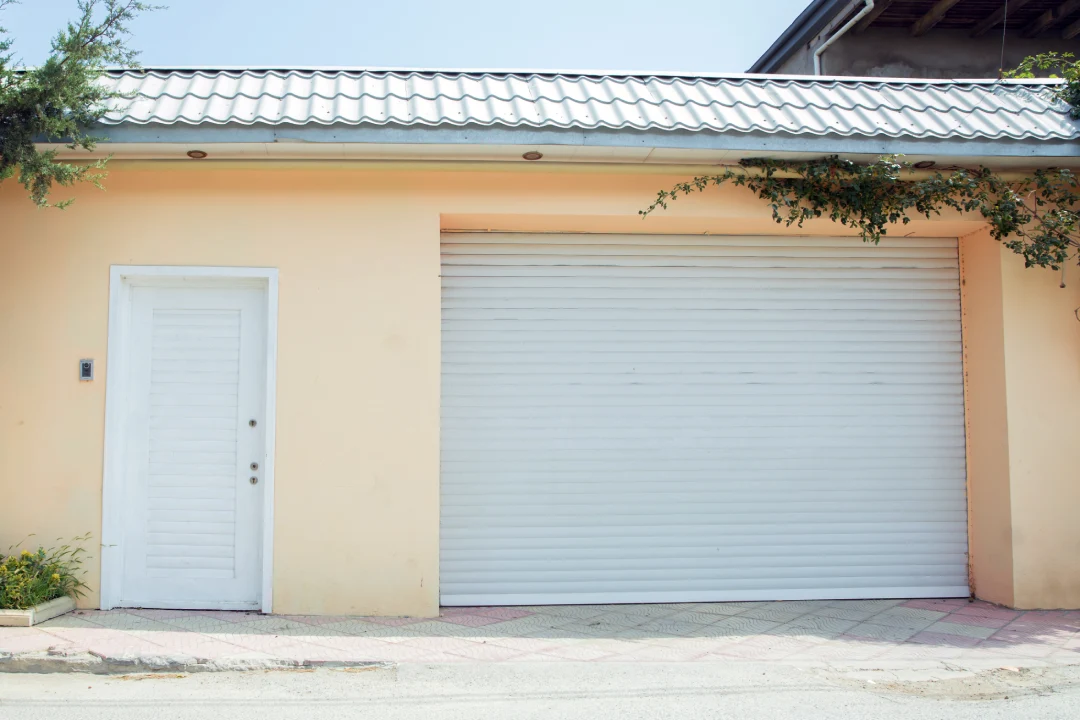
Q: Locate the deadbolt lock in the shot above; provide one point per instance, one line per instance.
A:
(253, 480)
(254, 466)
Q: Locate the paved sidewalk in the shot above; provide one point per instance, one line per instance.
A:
(872, 632)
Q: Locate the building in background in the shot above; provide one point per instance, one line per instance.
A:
(921, 38)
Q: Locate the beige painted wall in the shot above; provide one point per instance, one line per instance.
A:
(1022, 359)
(989, 502)
(1042, 367)
(356, 527)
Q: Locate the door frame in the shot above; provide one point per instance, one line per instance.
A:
(122, 280)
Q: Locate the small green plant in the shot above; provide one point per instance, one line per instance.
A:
(1061, 66)
(30, 578)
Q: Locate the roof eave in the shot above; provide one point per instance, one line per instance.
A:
(502, 135)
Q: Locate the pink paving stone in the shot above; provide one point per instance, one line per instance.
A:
(1051, 617)
(470, 620)
(488, 652)
(1035, 632)
(986, 610)
(399, 652)
(976, 620)
(203, 647)
(576, 651)
(92, 637)
(934, 638)
(440, 644)
(656, 653)
(536, 657)
(121, 647)
(523, 644)
(357, 648)
(35, 641)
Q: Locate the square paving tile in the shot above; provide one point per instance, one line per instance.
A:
(827, 626)
(723, 609)
(590, 629)
(670, 627)
(950, 628)
(695, 617)
(880, 633)
(746, 625)
(877, 605)
(941, 639)
(843, 613)
(503, 613)
(976, 620)
(906, 617)
(776, 612)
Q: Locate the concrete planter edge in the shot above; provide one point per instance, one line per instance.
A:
(37, 614)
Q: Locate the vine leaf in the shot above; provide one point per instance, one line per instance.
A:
(1035, 217)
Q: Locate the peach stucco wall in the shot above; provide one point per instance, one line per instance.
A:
(1022, 358)
(1042, 381)
(989, 504)
(357, 494)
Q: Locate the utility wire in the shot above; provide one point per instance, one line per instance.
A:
(1004, 27)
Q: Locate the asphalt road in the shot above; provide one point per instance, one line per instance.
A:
(687, 691)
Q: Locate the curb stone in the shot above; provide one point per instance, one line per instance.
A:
(44, 662)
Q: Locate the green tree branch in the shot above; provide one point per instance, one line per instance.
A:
(60, 99)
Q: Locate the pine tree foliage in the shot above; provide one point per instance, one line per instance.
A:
(59, 100)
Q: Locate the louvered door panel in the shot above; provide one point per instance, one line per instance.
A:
(191, 494)
(192, 526)
(651, 419)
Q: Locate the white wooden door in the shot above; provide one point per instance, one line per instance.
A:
(194, 448)
(692, 418)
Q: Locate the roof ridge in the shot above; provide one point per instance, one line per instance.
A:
(586, 74)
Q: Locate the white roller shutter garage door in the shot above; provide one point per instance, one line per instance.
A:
(631, 418)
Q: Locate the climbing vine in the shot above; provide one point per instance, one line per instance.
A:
(1035, 216)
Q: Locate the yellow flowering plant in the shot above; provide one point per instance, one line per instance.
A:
(29, 578)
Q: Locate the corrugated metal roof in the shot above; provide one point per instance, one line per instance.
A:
(747, 104)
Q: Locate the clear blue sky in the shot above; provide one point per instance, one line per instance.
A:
(684, 35)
